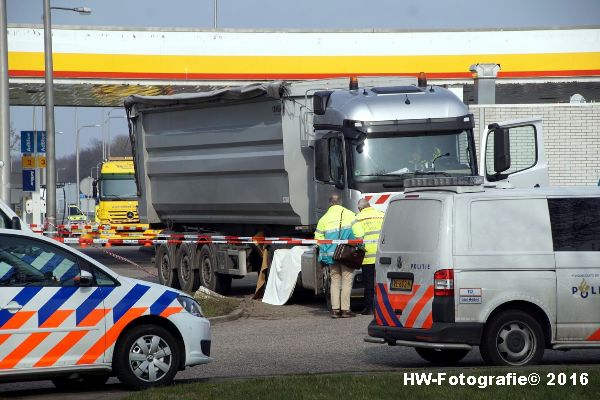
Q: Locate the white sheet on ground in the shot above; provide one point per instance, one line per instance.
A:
(283, 275)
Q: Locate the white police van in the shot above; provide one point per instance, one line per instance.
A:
(513, 271)
(65, 317)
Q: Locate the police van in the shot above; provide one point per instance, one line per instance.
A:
(476, 261)
(65, 317)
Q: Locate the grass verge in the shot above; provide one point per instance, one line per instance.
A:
(217, 306)
(390, 386)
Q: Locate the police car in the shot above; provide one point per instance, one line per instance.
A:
(65, 317)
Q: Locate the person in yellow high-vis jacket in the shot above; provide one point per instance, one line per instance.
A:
(371, 221)
(338, 223)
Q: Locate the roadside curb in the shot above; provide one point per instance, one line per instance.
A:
(232, 316)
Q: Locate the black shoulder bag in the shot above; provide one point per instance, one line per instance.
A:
(350, 255)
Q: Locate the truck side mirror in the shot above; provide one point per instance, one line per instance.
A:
(95, 189)
(15, 223)
(320, 100)
(501, 149)
(322, 160)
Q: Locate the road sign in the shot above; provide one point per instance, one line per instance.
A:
(30, 145)
(41, 142)
(27, 162)
(29, 180)
(41, 162)
(27, 143)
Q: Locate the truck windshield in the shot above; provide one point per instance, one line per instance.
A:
(385, 158)
(122, 188)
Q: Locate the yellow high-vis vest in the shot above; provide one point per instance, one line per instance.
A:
(371, 220)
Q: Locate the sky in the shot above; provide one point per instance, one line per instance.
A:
(280, 14)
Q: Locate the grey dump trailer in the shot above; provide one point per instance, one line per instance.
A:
(263, 159)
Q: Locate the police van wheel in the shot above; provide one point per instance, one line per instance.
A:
(146, 356)
(189, 278)
(441, 356)
(85, 382)
(512, 338)
(163, 261)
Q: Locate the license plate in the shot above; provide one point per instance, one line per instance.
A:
(401, 284)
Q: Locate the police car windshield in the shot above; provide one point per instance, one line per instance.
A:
(389, 158)
(118, 189)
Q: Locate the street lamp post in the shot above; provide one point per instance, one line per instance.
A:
(77, 157)
(5, 159)
(50, 142)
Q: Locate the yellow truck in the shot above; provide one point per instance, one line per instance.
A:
(116, 201)
(115, 193)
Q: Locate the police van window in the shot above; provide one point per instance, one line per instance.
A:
(28, 262)
(510, 226)
(336, 160)
(575, 224)
(424, 219)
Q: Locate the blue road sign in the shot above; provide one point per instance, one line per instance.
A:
(41, 141)
(27, 142)
(29, 180)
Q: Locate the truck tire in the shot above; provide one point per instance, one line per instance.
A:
(146, 356)
(512, 338)
(163, 261)
(188, 276)
(440, 356)
(209, 278)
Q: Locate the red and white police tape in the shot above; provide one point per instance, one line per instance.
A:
(213, 240)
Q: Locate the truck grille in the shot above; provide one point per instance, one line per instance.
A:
(123, 216)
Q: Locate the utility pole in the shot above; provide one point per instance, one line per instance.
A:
(5, 165)
(50, 142)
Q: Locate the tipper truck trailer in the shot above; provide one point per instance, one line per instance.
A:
(263, 159)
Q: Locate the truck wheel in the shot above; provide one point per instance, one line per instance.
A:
(163, 261)
(512, 338)
(189, 278)
(209, 278)
(441, 356)
(146, 356)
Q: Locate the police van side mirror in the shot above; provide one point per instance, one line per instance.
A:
(501, 148)
(322, 160)
(15, 223)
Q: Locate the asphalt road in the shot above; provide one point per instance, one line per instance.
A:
(271, 340)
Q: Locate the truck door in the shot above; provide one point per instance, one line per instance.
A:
(330, 167)
(513, 152)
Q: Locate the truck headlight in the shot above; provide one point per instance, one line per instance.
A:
(190, 305)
